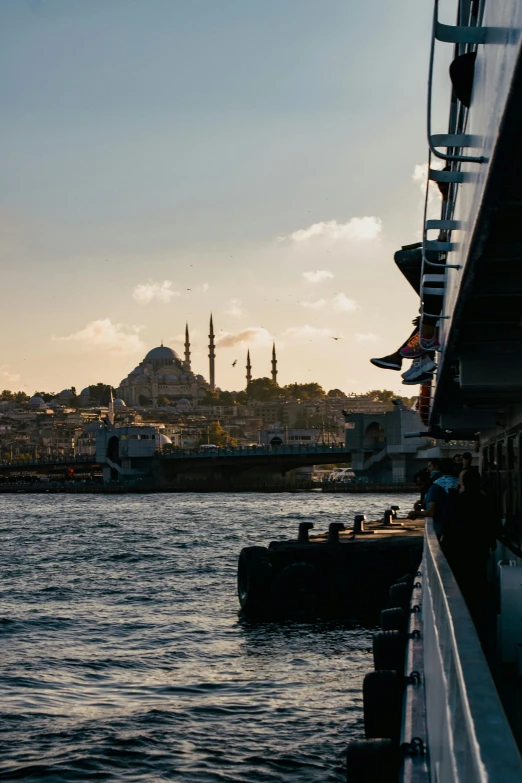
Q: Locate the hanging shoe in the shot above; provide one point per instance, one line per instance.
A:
(419, 368)
(429, 343)
(412, 349)
(391, 362)
(426, 377)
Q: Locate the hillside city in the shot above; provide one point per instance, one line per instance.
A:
(65, 424)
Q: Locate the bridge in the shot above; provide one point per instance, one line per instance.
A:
(226, 466)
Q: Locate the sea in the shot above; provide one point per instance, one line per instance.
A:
(124, 657)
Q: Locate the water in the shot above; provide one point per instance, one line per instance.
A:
(123, 656)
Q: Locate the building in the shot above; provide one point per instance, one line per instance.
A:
(163, 374)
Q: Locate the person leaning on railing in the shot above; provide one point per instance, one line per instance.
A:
(467, 539)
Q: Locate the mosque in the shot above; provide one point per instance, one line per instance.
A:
(163, 374)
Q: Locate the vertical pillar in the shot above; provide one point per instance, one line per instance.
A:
(212, 356)
(187, 346)
(274, 364)
(248, 369)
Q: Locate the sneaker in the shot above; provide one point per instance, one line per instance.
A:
(429, 343)
(412, 349)
(419, 367)
(424, 378)
(391, 362)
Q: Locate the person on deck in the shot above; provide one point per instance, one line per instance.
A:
(468, 539)
(422, 480)
(441, 496)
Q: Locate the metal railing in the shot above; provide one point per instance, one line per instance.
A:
(468, 734)
(46, 460)
(244, 451)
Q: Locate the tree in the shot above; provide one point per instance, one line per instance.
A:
(46, 396)
(263, 389)
(145, 402)
(21, 396)
(162, 401)
(216, 435)
(385, 395)
(7, 395)
(73, 399)
(100, 393)
(304, 391)
(336, 393)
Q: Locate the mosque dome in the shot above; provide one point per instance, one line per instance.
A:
(183, 403)
(85, 392)
(119, 403)
(37, 402)
(162, 352)
(65, 393)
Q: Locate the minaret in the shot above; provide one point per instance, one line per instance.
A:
(248, 369)
(212, 356)
(187, 346)
(274, 364)
(110, 411)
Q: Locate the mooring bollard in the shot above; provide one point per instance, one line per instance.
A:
(390, 515)
(358, 526)
(333, 532)
(304, 527)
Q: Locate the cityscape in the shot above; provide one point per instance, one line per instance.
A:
(184, 408)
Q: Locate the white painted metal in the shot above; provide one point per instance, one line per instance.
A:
(469, 739)
(494, 69)
(415, 765)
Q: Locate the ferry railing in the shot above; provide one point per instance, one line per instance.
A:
(460, 34)
(469, 738)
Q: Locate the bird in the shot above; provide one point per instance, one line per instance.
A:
(189, 289)
(234, 363)
(336, 338)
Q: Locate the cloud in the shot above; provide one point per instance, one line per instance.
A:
(116, 338)
(356, 228)
(342, 304)
(255, 335)
(10, 377)
(235, 308)
(366, 337)
(145, 293)
(317, 305)
(307, 332)
(318, 276)
(420, 177)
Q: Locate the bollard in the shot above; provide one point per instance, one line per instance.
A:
(304, 527)
(358, 526)
(389, 518)
(333, 532)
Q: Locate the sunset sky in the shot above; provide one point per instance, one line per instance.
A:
(164, 158)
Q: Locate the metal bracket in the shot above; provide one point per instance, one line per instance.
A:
(414, 678)
(414, 748)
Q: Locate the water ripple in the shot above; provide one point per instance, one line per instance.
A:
(124, 657)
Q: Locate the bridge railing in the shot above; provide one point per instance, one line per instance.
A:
(469, 737)
(243, 451)
(47, 460)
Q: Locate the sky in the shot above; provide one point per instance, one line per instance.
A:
(163, 159)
